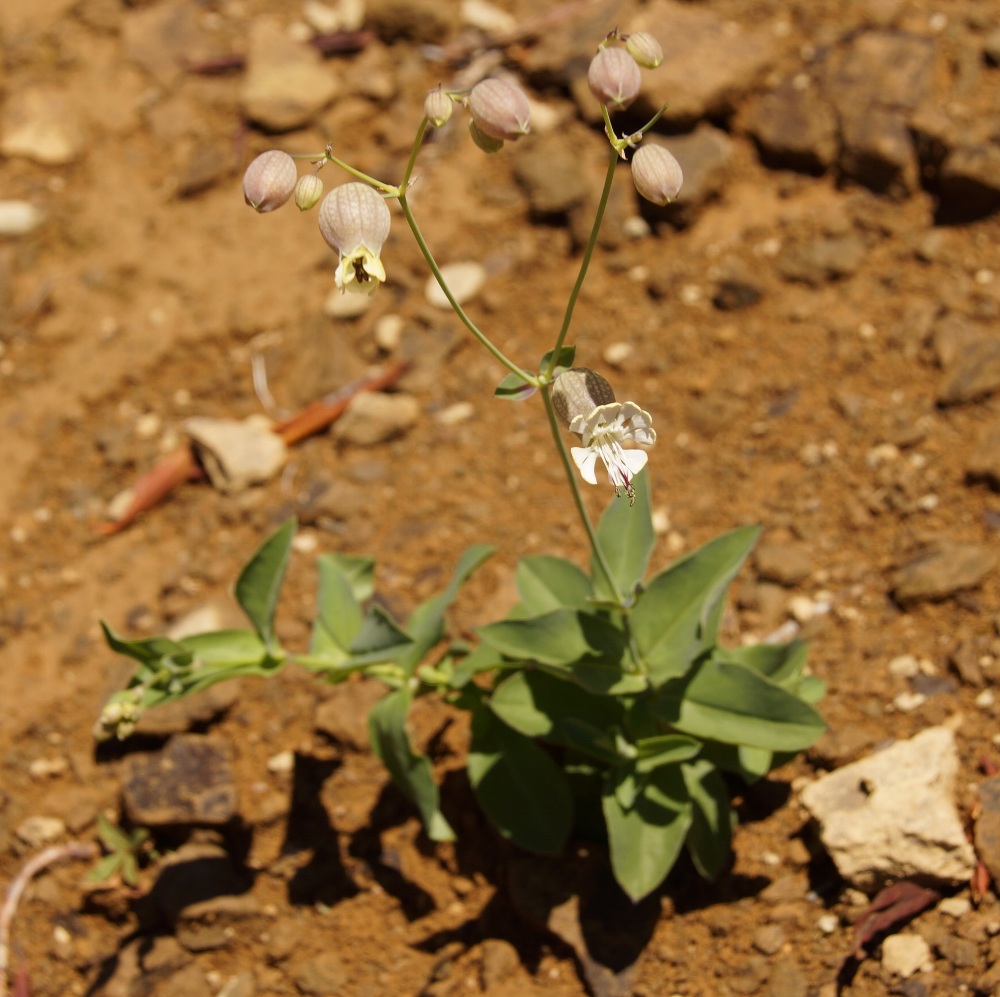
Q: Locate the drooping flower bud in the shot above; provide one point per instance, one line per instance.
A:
(354, 220)
(437, 106)
(614, 77)
(500, 109)
(308, 191)
(656, 174)
(485, 142)
(577, 392)
(269, 180)
(645, 49)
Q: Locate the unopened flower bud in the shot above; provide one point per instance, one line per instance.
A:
(656, 174)
(269, 180)
(308, 191)
(577, 392)
(614, 77)
(437, 107)
(500, 109)
(645, 49)
(485, 142)
(354, 219)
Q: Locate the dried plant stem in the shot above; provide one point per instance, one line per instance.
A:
(31, 868)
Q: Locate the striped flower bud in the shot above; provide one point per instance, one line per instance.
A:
(308, 191)
(614, 77)
(354, 220)
(645, 49)
(437, 107)
(656, 174)
(269, 180)
(500, 109)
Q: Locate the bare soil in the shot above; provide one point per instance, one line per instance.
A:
(813, 411)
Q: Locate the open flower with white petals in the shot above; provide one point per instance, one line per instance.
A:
(585, 403)
(354, 220)
(603, 432)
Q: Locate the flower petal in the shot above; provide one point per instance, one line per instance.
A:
(634, 460)
(585, 459)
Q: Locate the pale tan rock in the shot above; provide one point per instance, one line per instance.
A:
(237, 454)
(373, 417)
(40, 124)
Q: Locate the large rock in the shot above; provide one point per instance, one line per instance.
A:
(892, 815)
(708, 62)
(941, 569)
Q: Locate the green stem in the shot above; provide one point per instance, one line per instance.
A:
(584, 265)
(574, 487)
(412, 161)
(459, 311)
(386, 188)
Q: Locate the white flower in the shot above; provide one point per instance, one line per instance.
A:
(354, 220)
(603, 432)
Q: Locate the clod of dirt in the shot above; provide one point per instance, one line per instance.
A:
(190, 782)
(892, 815)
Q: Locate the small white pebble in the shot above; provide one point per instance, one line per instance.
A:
(904, 665)
(18, 534)
(883, 453)
(866, 330)
(19, 217)
(38, 831)
(119, 504)
(638, 274)
(955, 906)
(618, 353)
(661, 520)
(464, 279)
(771, 858)
(675, 542)
(43, 768)
(986, 699)
(828, 923)
(42, 514)
(691, 294)
(282, 763)
(907, 702)
(803, 608)
(148, 425)
(928, 503)
(454, 414)
(938, 21)
(636, 227)
(768, 248)
(305, 543)
(984, 277)
(182, 397)
(340, 305)
(388, 332)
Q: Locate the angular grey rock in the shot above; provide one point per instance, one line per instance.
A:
(970, 181)
(549, 171)
(878, 150)
(941, 569)
(794, 127)
(373, 417)
(988, 825)
(784, 563)
(827, 258)
(974, 372)
(708, 62)
(892, 815)
(189, 782)
(984, 464)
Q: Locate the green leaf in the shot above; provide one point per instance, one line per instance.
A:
(259, 584)
(645, 841)
(338, 608)
(541, 705)
(564, 361)
(626, 536)
(732, 703)
(548, 583)
(518, 785)
(426, 623)
(514, 388)
(380, 637)
(483, 659)
(674, 618)
(226, 648)
(410, 771)
(153, 651)
(713, 819)
(781, 663)
(555, 638)
(113, 838)
(106, 867)
(664, 749)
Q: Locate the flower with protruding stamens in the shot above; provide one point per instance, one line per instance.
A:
(585, 403)
(354, 220)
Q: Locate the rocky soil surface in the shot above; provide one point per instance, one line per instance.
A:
(813, 325)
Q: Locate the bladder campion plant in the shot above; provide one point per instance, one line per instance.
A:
(603, 701)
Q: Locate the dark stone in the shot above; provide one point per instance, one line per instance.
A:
(794, 128)
(320, 976)
(970, 182)
(988, 825)
(189, 782)
(984, 464)
(878, 151)
(824, 259)
(974, 374)
(733, 295)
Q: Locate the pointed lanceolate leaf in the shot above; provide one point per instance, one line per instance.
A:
(729, 702)
(149, 651)
(344, 583)
(518, 785)
(675, 618)
(564, 360)
(546, 583)
(626, 536)
(259, 584)
(514, 388)
(410, 771)
(426, 623)
(556, 638)
(713, 819)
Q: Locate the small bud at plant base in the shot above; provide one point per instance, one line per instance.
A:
(354, 220)
(437, 107)
(645, 49)
(656, 174)
(577, 392)
(499, 109)
(269, 180)
(308, 191)
(614, 77)
(485, 142)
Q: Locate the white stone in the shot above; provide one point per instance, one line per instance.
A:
(907, 702)
(617, 353)
(19, 217)
(454, 414)
(40, 831)
(388, 332)
(340, 304)
(373, 417)
(40, 124)
(282, 763)
(465, 279)
(828, 923)
(237, 453)
(487, 17)
(904, 665)
(892, 815)
(955, 906)
(904, 955)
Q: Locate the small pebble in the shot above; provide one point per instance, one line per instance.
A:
(340, 304)
(465, 280)
(148, 425)
(636, 227)
(904, 665)
(955, 906)
(903, 955)
(389, 332)
(907, 702)
(986, 699)
(828, 923)
(19, 217)
(40, 831)
(618, 353)
(305, 543)
(43, 768)
(454, 414)
(282, 763)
